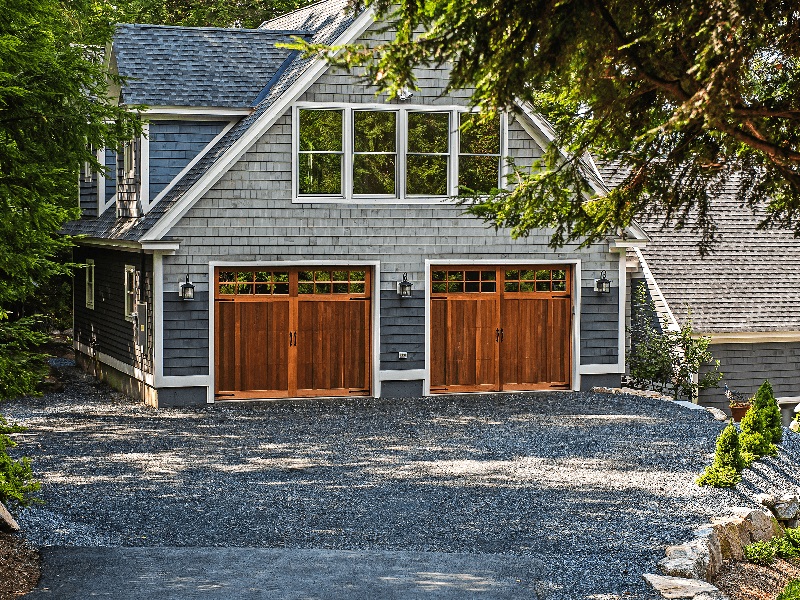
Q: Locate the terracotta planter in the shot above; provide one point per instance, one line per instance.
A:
(738, 411)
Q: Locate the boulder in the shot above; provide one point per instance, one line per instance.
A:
(700, 558)
(679, 588)
(7, 522)
(786, 507)
(759, 526)
(718, 414)
(728, 531)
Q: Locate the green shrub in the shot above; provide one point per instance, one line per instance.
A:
(760, 553)
(17, 484)
(793, 535)
(764, 401)
(791, 591)
(728, 462)
(784, 548)
(756, 440)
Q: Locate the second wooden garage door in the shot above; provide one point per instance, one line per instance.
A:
(292, 332)
(500, 328)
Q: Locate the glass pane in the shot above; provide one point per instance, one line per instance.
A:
(479, 174)
(488, 275)
(322, 288)
(244, 276)
(263, 288)
(374, 131)
(357, 275)
(226, 276)
(488, 286)
(472, 286)
(512, 274)
(440, 287)
(472, 275)
(245, 288)
(439, 275)
(305, 288)
(374, 174)
(479, 136)
(559, 286)
(455, 275)
(263, 276)
(322, 276)
(356, 288)
(529, 275)
(340, 288)
(543, 274)
(227, 288)
(455, 286)
(305, 276)
(340, 275)
(426, 175)
(321, 130)
(559, 274)
(512, 286)
(542, 286)
(526, 286)
(429, 132)
(320, 173)
(280, 288)
(280, 277)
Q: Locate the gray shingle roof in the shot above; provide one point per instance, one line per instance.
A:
(326, 21)
(750, 282)
(197, 66)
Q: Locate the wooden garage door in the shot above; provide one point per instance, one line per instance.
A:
(500, 328)
(292, 332)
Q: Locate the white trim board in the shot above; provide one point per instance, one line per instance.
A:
(752, 337)
(255, 132)
(375, 301)
(194, 112)
(662, 308)
(402, 375)
(115, 363)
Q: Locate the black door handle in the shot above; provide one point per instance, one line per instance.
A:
(501, 334)
(295, 338)
(496, 335)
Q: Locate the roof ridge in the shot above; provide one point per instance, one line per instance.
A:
(295, 11)
(257, 30)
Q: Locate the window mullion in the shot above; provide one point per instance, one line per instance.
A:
(402, 150)
(347, 159)
(454, 147)
(504, 167)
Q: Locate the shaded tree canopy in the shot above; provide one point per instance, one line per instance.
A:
(684, 96)
(204, 13)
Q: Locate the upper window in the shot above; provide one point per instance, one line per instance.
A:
(130, 292)
(129, 159)
(395, 153)
(90, 283)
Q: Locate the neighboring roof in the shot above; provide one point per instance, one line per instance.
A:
(325, 21)
(197, 66)
(749, 282)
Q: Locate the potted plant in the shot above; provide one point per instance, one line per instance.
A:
(738, 403)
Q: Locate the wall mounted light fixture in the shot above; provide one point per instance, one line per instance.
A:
(404, 287)
(602, 285)
(187, 290)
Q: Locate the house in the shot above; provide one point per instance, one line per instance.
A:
(744, 295)
(312, 225)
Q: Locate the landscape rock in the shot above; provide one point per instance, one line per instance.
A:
(729, 535)
(760, 526)
(767, 500)
(7, 522)
(718, 414)
(700, 558)
(679, 588)
(795, 426)
(786, 507)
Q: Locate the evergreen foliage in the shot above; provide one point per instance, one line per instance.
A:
(761, 426)
(688, 97)
(726, 469)
(17, 484)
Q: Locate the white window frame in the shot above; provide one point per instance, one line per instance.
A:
(89, 296)
(130, 293)
(347, 196)
(129, 160)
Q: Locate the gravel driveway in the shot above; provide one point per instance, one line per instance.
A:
(588, 488)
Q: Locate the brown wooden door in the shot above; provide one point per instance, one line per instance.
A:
(499, 328)
(292, 332)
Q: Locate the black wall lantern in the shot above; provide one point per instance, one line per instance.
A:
(187, 290)
(602, 285)
(404, 287)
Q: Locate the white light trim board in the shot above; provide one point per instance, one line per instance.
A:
(115, 363)
(402, 375)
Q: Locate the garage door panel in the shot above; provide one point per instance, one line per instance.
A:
(225, 344)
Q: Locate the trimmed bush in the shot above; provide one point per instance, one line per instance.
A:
(728, 462)
(761, 426)
(791, 591)
(763, 553)
(760, 553)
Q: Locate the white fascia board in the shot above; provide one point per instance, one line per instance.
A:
(161, 246)
(194, 112)
(625, 244)
(256, 130)
(544, 135)
(107, 243)
(751, 337)
(662, 308)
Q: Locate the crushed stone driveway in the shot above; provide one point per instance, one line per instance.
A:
(543, 495)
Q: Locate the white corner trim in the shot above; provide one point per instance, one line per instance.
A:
(207, 112)
(114, 363)
(662, 308)
(144, 169)
(254, 133)
(158, 316)
(192, 163)
(751, 337)
(623, 302)
(402, 375)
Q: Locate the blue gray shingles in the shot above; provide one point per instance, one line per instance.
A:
(323, 23)
(196, 66)
(750, 281)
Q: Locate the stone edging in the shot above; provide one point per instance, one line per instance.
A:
(689, 567)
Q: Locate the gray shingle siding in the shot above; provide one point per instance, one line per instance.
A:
(185, 332)
(88, 195)
(746, 366)
(173, 145)
(599, 326)
(105, 326)
(111, 174)
(402, 330)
